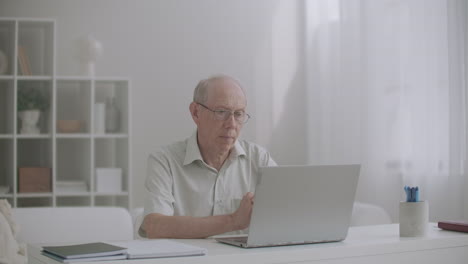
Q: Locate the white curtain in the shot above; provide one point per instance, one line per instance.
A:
(386, 88)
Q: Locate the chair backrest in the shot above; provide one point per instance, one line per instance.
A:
(50, 225)
(137, 217)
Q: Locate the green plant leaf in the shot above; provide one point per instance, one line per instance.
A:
(32, 98)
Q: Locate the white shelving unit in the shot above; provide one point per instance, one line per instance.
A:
(72, 157)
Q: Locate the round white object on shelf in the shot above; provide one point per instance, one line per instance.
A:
(3, 63)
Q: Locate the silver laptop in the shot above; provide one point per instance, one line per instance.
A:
(300, 205)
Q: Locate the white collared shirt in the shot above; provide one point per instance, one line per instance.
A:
(179, 182)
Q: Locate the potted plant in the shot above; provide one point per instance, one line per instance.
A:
(31, 102)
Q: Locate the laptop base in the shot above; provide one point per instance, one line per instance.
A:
(242, 242)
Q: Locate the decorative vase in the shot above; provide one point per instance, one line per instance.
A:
(29, 119)
(90, 50)
(99, 118)
(112, 116)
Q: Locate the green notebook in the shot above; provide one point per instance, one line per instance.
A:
(88, 250)
(75, 260)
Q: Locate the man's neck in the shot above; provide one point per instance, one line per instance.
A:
(215, 159)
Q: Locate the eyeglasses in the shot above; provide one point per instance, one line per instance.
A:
(223, 115)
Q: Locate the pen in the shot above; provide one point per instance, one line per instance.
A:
(416, 196)
(408, 193)
(412, 193)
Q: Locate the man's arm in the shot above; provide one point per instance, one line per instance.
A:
(164, 226)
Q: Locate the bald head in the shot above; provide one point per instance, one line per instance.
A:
(218, 110)
(206, 86)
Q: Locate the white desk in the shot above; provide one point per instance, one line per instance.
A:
(365, 244)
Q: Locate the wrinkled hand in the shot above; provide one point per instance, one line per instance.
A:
(241, 217)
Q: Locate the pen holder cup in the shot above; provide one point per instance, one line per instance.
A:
(414, 218)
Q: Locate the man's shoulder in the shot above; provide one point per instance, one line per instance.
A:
(256, 153)
(251, 147)
(173, 150)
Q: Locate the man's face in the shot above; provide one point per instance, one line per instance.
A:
(220, 135)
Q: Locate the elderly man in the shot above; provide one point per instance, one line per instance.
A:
(203, 186)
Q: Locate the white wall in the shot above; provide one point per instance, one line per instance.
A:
(166, 46)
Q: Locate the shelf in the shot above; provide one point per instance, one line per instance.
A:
(97, 136)
(105, 90)
(103, 136)
(45, 89)
(34, 78)
(111, 194)
(6, 163)
(34, 152)
(74, 78)
(91, 78)
(73, 194)
(7, 95)
(113, 153)
(34, 201)
(73, 160)
(36, 39)
(111, 200)
(71, 135)
(74, 201)
(73, 106)
(7, 45)
(39, 136)
(31, 195)
(66, 144)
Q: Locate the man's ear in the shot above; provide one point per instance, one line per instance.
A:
(194, 112)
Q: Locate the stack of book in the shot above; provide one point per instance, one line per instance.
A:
(85, 252)
(71, 186)
(459, 226)
(23, 61)
(134, 249)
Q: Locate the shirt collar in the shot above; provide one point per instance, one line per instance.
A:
(238, 150)
(193, 151)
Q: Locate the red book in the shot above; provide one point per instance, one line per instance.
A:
(460, 226)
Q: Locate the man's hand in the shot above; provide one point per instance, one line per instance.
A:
(241, 217)
(165, 226)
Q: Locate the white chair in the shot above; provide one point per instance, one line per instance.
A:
(369, 214)
(55, 225)
(137, 217)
